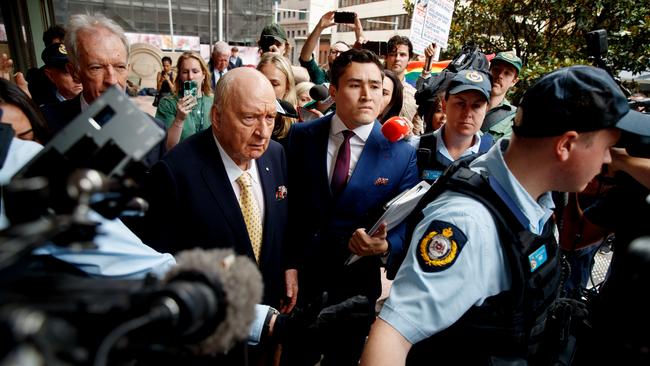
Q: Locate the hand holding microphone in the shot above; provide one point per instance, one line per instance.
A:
(322, 99)
(395, 128)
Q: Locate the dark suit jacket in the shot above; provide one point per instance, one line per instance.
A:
(58, 115)
(193, 204)
(322, 226)
(43, 91)
(238, 63)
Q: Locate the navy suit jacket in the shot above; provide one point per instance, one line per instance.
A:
(193, 205)
(321, 225)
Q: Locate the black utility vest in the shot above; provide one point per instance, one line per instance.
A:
(510, 325)
(430, 167)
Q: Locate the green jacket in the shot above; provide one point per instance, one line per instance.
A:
(498, 120)
(197, 121)
(316, 73)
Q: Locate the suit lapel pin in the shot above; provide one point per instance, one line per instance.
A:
(280, 193)
(381, 181)
(267, 168)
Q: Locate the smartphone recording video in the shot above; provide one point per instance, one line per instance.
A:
(344, 17)
(190, 88)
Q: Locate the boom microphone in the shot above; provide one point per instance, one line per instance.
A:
(241, 284)
(395, 128)
(205, 303)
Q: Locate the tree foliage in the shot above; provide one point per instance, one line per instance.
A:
(548, 34)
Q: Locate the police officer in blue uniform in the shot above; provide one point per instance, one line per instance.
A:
(482, 268)
(467, 100)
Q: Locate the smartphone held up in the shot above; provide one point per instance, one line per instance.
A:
(190, 88)
(347, 17)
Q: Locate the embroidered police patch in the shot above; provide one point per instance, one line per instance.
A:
(439, 246)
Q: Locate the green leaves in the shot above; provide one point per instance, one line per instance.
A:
(548, 34)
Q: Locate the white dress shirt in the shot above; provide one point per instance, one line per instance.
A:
(235, 171)
(357, 142)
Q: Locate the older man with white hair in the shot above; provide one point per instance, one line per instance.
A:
(219, 62)
(98, 52)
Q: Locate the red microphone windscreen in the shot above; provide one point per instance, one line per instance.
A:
(395, 129)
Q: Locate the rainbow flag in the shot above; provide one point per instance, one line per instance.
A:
(414, 69)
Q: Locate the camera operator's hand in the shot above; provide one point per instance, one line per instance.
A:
(299, 320)
(354, 311)
(316, 317)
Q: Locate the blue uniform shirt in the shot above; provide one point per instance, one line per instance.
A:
(423, 303)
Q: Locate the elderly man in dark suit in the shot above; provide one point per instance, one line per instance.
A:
(98, 52)
(198, 197)
(341, 171)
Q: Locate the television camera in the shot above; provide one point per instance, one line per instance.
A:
(52, 313)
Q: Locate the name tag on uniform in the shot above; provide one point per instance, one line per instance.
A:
(537, 258)
(431, 175)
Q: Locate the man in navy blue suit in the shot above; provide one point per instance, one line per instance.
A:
(329, 209)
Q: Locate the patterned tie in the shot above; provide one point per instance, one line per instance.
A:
(251, 213)
(342, 165)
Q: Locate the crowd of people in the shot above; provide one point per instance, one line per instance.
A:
(476, 265)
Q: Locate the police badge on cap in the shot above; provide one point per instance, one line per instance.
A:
(439, 246)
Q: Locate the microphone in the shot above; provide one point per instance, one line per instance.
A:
(218, 309)
(319, 92)
(395, 128)
(322, 100)
(205, 303)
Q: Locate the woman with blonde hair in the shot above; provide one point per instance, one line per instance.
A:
(277, 69)
(188, 111)
(302, 91)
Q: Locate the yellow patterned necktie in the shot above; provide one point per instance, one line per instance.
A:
(251, 213)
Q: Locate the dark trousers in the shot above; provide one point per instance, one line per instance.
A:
(338, 345)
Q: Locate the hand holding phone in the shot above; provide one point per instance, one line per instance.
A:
(344, 17)
(307, 115)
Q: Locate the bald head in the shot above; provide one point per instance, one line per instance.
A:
(243, 128)
(240, 82)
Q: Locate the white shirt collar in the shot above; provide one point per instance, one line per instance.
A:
(442, 147)
(232, 169)
(84, 104)
(362, 131)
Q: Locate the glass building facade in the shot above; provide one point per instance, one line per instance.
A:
(243, 19)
